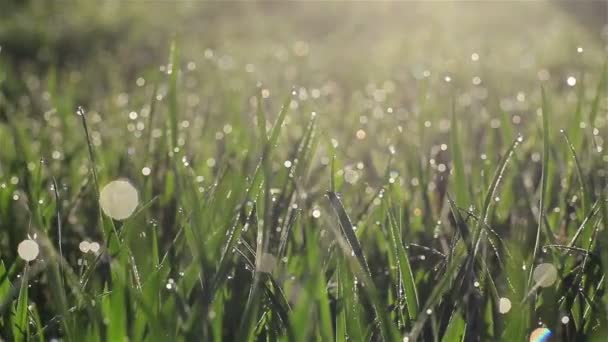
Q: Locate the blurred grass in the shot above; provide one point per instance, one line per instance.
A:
(361, 171)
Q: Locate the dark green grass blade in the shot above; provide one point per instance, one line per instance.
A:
(347, 230)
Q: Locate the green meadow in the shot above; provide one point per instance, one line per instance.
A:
(312, 171)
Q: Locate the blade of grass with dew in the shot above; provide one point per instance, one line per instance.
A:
(20, 326)
(350, 301)
(585, 196)
(172, 94)
(347, 230)
(234, 233)
(405, 269)
(348, 242)
(245, 328)
(300, 328)
(324, 318)
(543, 185)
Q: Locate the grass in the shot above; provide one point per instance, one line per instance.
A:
(314, 198)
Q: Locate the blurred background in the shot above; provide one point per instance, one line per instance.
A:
(369, 68)
(328, 38)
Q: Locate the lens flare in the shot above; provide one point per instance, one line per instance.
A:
(540, 335)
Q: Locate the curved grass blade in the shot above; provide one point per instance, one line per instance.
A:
(347, 229)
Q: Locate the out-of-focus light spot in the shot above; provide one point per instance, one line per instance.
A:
(28, 250)
(474, 56)
(84, 246)
(545, 275)
(361, 134)
(266, 263)
(565, 320)
(316, 213)
(504, 305)
(146, 171)
(94, 247)
(351, 176)
(571, 80)
(540, 335)
(118, 199)
(543, 75)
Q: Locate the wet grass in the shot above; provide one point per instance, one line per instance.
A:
(405, 208)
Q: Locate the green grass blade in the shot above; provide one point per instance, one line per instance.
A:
(459, 180)
(348, 242)
(20, 326)
(543, 185)
(405, 269)
(172, 94)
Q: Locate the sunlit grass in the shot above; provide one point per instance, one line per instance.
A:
(278, 189)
